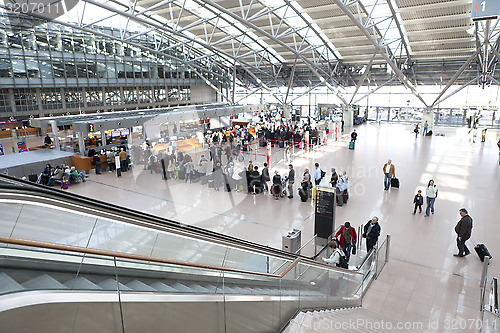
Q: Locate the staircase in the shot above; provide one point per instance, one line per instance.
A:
(350, 320)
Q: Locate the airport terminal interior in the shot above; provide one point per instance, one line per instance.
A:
(148, 148)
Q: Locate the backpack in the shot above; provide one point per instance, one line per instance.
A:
(323, 173)
(343, 261)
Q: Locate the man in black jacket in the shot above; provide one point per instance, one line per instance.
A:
(463, 230)
(371, 232)
(291, 180)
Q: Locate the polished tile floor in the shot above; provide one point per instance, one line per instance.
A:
(422, 281)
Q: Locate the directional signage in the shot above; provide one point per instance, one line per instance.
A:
(485, 10)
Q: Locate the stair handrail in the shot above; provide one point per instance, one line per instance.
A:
(136, 217)
(139, 257)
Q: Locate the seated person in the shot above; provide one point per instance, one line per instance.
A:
(46, 174)
(57, 175)
(77, 176)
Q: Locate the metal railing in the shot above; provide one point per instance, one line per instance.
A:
(489, 301)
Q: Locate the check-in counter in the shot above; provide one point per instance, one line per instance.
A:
(84, 163)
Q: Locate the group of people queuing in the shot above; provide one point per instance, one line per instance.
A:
(111, 159)
(288, 134)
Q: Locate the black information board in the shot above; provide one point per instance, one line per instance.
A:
(324, 211)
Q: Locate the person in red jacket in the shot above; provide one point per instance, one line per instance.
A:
(347, 239)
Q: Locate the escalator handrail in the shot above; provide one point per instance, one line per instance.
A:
(138, 257)
(157, 221)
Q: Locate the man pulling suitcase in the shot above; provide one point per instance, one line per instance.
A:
(464, 231)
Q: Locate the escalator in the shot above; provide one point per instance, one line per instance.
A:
(74, 264)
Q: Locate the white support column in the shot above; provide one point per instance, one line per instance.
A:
(81, 143)
(348, 116)
(103, 139)
(53, 124)
(428, 115)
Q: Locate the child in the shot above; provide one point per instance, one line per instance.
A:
(418, 201)
(64, 183)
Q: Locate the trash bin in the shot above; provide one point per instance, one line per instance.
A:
(292, 241)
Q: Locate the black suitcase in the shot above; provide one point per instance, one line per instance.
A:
(395, 182)
(303, 195)
(482, 251)
(44, 179)
(345, 196)
(182, 174)
(340, 199)
(281, 144)
(33, 177)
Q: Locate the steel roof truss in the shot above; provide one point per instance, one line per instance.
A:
(406, 82)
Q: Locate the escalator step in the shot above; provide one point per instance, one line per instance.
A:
(199, 289)
(8, 284)
(139, 286)
(160, 286)
(81, 283)
(212, 289)
(110, 284)
(181, 288)
(43, 282)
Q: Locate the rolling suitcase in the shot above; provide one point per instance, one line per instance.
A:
(303, 195)
(345, 196)
(340, 199)
(351, 145)
(33, 177)
(482, 251)
(281, 144)
(210, 181)
(395, 182)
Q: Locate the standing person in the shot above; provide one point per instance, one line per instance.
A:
(426, 127)
(334, 179)
(483, 135)
(306, 180)
(418, 200)
(265, 177)
(202, 169)
(416, 130)
(431, 192)
(371, 232)
(276, 185)
(291, 180)
(64, 183)
(123, 159)
(250, 166)
(389, 171)
(348, 239)
(111, 161)
(464, 231)
(317, 174)
(354, 135)
(96, 160)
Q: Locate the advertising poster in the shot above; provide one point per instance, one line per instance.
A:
(21, 146)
